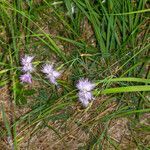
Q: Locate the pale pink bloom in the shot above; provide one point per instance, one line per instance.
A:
(51, 74)
(47, 69)
(27, 63)
(84, 101)
(27, 68)
(26, 59)
(85, 85)
(85, 95)
(26, 78)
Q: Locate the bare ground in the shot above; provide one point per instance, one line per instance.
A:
(75, 138)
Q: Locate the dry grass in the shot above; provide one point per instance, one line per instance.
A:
(74, 138)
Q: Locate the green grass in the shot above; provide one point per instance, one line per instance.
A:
(107, 42)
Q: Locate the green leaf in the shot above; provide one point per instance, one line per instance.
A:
(126, 89)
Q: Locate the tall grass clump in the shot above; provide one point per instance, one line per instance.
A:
(76, 72)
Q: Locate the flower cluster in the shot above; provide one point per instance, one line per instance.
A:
(84, 86)
(85, 95)
(51, 74)
(27, 69)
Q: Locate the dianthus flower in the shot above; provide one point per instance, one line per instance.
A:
(85, 95)
(85, 85)
(27, 68)
(51, 74)
(26, 78)
(27, 63)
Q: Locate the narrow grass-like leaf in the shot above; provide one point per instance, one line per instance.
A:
(126, 89)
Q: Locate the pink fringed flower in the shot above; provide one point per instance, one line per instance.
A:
(27, 63)
(26, 78)
(27, 68)
(51, 74)
(85, 95)
(85, 85)
(26, 59)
